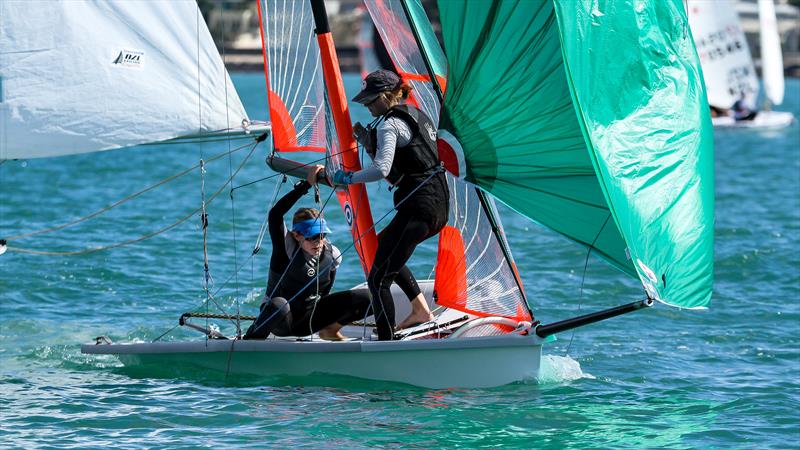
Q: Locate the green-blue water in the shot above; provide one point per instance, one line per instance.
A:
(721, 378)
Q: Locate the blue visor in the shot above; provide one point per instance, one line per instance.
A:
(311, 227)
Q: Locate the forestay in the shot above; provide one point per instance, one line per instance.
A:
(80, 76)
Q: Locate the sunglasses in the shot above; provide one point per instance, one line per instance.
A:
(315, 238)
(373, 100)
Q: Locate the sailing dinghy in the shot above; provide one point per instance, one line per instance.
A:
(728, 68)
(622, 165)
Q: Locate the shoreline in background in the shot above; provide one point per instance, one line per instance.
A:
(234, 26)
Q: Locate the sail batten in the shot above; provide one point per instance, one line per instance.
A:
(127, 73)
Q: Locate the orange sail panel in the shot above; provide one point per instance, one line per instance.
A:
(451, 270)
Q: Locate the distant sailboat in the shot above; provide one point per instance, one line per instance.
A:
(728, 68)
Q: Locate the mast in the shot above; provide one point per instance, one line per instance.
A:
(353, 198)
(482, 196)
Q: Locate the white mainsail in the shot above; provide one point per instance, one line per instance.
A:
(80, 76)
(771, 57)
(728, 68)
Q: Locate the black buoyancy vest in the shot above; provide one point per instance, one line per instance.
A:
(422, 191)
(301, 271)
(417, 160)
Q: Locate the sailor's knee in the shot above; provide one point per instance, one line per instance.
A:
(280, 304)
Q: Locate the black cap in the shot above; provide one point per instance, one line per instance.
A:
(379, 81)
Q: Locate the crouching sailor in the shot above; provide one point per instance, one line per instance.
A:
(302, 270)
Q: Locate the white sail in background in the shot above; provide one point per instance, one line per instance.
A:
(80, 76)
(727, 65)
(771, 57)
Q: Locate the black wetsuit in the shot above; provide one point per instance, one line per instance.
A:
(421, 213)
(291, 271)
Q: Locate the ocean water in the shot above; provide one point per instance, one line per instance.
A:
(726, 377)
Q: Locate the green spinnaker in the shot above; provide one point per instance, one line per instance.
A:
(590, 118)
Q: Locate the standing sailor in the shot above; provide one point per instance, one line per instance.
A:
(405, 155)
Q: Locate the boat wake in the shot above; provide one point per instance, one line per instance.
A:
(558, 369)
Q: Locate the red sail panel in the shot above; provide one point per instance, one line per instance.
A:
(451, 270)
(295, 86)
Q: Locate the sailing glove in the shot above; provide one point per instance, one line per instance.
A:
(302, 186)
(342, 178)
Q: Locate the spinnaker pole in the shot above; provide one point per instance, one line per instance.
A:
(586, 319)
(353, 198)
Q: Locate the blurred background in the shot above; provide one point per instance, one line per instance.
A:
(234, 25)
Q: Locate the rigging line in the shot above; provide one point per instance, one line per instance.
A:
(166, 333)
(203, 216)
(119, 202)
(140, 238)
(354, 243)
(204, 220)
(583, 277)
(230, 192)
(213, 299)
(197, 140)
(230, 355)
(264, 224)
(319, 256)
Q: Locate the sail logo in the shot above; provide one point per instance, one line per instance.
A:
(129, 58)
(348, 214)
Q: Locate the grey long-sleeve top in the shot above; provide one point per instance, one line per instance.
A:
(392, 133)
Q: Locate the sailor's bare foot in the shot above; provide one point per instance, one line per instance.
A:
(419, 313)
(331, 333)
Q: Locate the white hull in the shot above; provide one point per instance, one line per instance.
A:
(432, 363)
(764, 120)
